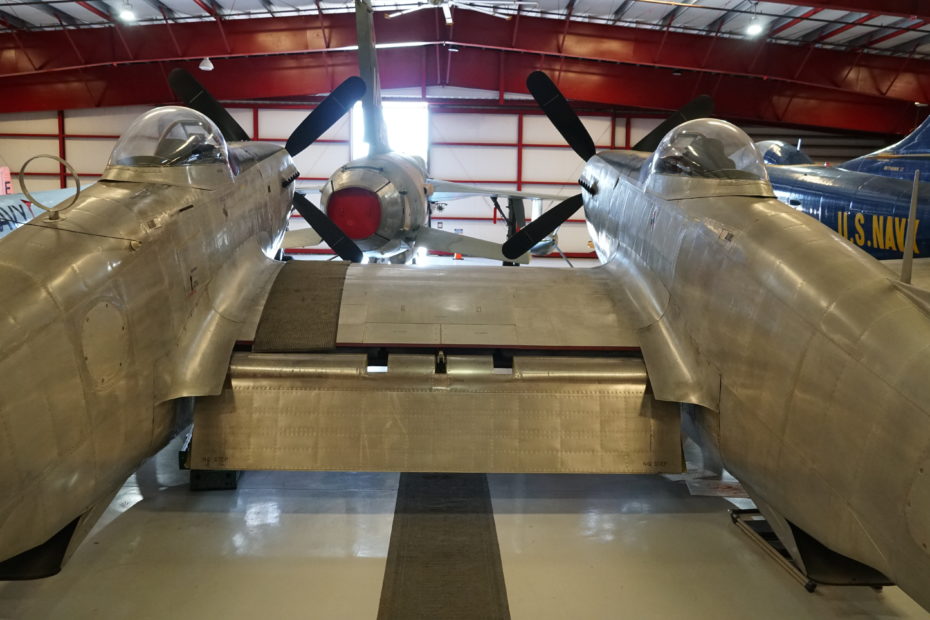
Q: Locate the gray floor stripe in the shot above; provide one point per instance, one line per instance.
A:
(444, 561)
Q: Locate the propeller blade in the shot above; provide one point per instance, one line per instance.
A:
(325, 115)
(700, 107)
(541, 227)
(547, 95)
(327, 229)
(196, 97)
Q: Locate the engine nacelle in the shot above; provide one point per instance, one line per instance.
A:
(378, 201)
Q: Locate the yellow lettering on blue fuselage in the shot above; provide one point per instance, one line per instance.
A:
(887, 232)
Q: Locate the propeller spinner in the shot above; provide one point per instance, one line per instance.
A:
(324, 116)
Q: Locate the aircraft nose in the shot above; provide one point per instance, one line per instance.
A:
(355, 210)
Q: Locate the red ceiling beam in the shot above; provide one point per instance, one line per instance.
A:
(794, 22)
(737, 98)
(828, 35)
(901, 8)
(282, 57)
(896, 33)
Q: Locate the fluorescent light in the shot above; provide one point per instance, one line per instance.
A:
(754, 29)
(205, 65)
(127, 14)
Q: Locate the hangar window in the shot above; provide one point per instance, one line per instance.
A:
(170, 136)
(711, 149)
(407, 125)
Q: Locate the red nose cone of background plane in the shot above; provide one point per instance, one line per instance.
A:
(356, 211)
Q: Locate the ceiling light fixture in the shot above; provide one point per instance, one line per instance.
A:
(205, 65)
(754, 28)
(126, 13)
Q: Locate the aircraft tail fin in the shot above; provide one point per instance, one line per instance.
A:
(915, 143)
(375, 131)
(892, 160)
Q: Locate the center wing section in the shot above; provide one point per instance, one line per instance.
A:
(396, 368)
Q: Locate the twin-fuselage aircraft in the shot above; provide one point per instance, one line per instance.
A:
(806, 359)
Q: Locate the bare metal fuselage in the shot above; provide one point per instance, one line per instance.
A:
(815, 359)
(129, 300)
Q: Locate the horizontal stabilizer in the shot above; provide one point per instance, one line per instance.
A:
(460, 244)
(443, 191)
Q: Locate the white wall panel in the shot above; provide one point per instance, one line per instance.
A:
(281, 123)
(243, 116)
(599, 127)
(36, 184)
(15, 151)
(483, 163)
(88, 155)
(538, 130)
(29, 122)
(321, 160)
(550, 164)
(639, 127)
(620, 133)
(473, 127)
(102, 121)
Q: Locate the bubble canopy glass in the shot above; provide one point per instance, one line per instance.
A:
(170, 136)
(709, 149)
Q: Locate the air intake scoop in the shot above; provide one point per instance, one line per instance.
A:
(356, 211)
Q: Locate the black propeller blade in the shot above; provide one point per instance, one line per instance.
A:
(700, 107)
(327, 229)
(541, 227)
(326, 114)
(547, 95)
(195, 96)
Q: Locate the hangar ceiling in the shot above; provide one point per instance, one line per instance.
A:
(843, 64)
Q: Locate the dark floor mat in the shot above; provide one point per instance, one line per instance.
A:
(444, 560)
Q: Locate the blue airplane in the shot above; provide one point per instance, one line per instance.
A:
(869, 210)
(16, 209)
(899, 160)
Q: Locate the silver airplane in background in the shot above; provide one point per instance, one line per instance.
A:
(382, 202)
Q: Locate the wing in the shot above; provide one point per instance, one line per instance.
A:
(443, 241)
(444, 191)
(397, 368)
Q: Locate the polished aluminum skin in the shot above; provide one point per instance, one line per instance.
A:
(117, 305)
(810, 359)
(329, 412)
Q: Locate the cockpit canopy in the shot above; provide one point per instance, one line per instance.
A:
(708, 149)
(170, 136)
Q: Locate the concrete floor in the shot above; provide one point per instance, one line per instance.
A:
(313, 545)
